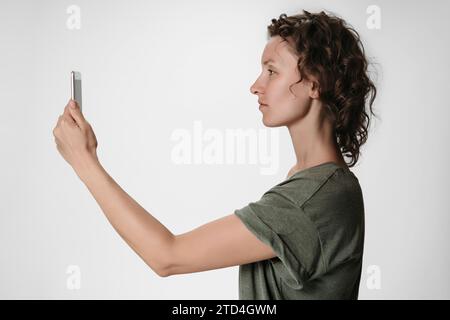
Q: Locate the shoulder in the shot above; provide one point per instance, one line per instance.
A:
(324, 191)
(325, 202)
(338, 195)
(302, 186)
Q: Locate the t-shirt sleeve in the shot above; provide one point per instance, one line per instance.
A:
(280, 223)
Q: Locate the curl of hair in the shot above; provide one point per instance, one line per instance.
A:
(332, 52)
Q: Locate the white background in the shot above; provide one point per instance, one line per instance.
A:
(151, 67)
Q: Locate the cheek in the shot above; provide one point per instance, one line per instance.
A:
(287, 95)
(285, 105)
(291, 110)
(278, 92)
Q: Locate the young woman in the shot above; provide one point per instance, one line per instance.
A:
(304, 238)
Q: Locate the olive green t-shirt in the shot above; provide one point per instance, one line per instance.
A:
(314, 221)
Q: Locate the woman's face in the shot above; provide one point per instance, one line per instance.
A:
(279, 71)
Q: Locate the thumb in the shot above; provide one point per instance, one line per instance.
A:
(76, 113)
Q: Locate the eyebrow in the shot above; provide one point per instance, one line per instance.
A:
(268, 60)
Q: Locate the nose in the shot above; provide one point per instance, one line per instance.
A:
(256, 88)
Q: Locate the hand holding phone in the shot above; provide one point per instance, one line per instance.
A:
(75, 86)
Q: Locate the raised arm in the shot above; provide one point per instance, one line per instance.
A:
(218, 244)
(149, 238)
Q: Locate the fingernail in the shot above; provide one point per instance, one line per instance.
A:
(72, 104)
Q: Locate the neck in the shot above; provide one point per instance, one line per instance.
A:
(314, 140)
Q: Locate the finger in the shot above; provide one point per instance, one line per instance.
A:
(59, 148)
(58, 144)
(55, 131)
(67, 123)
(67, 113)
(67, 116)
(60, 124)
(66, 109)
(57, 128)
(76, 113)
(67, 119)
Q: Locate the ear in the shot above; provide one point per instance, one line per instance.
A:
(314, 89)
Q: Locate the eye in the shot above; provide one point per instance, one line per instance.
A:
(270, 71)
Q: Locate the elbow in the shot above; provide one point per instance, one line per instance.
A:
(163, 272)
(161, 264)
(163, 267)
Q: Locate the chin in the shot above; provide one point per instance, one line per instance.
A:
(270, 124)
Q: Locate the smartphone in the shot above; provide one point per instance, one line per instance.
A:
(75, 86)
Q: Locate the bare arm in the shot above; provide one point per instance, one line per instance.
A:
(221, 243)
(218, 244)
(142, 232)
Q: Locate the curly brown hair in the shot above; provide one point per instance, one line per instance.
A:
(332, 51)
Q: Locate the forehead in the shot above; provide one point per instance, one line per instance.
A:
(277, 51)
